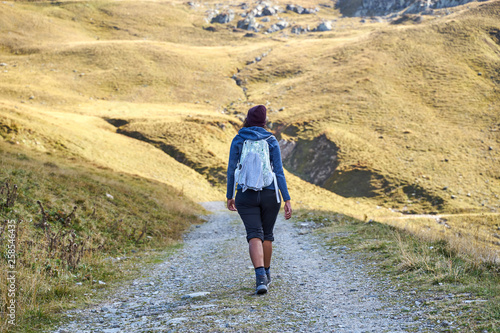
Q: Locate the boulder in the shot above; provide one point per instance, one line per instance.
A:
(249, 23)
(310, 10)
(269, 11)
(282, 24)
(297, 29)
(211, 14)
(278, 26)
(324, 26)
(301, 10)
(224, 17)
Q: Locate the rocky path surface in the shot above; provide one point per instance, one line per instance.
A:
(208, 286)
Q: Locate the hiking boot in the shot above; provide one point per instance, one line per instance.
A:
(261, 284)
(268, 275)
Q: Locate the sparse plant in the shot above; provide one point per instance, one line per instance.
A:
(9, 191)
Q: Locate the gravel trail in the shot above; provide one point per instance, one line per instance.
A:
(208, 286)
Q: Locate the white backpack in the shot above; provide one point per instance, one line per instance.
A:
(254, 170)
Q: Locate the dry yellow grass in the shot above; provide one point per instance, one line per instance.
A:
(410, 97)
(151, 64)
(475, 236)
(60, 257)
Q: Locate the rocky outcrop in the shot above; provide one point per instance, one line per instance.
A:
(278, 26)
(312, 160)
(324, 26)
(316, 161)
(262, 9)
(301, 10)
(223, 18)
(249, 23)
(297, 29)
(385, 7)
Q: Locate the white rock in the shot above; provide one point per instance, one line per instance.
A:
(204, 306)
(325, 26)
(111, 330)
(195, 295)
(176, 321)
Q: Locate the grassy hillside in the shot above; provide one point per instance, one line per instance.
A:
(413, 108)
(417, 105)
(410, 106)
(67, 219)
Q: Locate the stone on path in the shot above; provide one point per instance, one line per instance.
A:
(176, 321)
(196, 295)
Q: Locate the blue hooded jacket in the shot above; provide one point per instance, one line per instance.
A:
(256, 133)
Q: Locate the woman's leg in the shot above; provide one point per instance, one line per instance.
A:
(269, 212)
(257, 255)
(247, 204)
(267, 247)
(256, 252)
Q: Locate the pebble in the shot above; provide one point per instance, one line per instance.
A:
(111, 330)
(196, 295)
(204, 306)
(176, 321)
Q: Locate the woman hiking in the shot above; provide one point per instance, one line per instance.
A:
(258, 171)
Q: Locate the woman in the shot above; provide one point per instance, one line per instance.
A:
(258, 209)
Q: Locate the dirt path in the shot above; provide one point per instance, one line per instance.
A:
(315, 289)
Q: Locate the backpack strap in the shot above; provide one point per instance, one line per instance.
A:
(235, 184)
(276, 188)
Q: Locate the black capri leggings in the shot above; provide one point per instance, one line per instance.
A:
(258, 210)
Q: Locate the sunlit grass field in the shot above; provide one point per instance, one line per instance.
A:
(147, 89)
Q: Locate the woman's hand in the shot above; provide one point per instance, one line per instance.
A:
(230, 205)
(288, 210)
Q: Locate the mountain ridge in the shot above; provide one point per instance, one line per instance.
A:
(373, 89)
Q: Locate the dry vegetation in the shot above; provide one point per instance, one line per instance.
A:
(67, 219)
(454, 285)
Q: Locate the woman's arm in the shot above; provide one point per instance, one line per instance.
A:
(234, 155)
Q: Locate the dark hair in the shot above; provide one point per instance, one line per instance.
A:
(245, 124)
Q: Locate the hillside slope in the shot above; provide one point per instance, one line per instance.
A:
(399, 112)
(412, 109)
